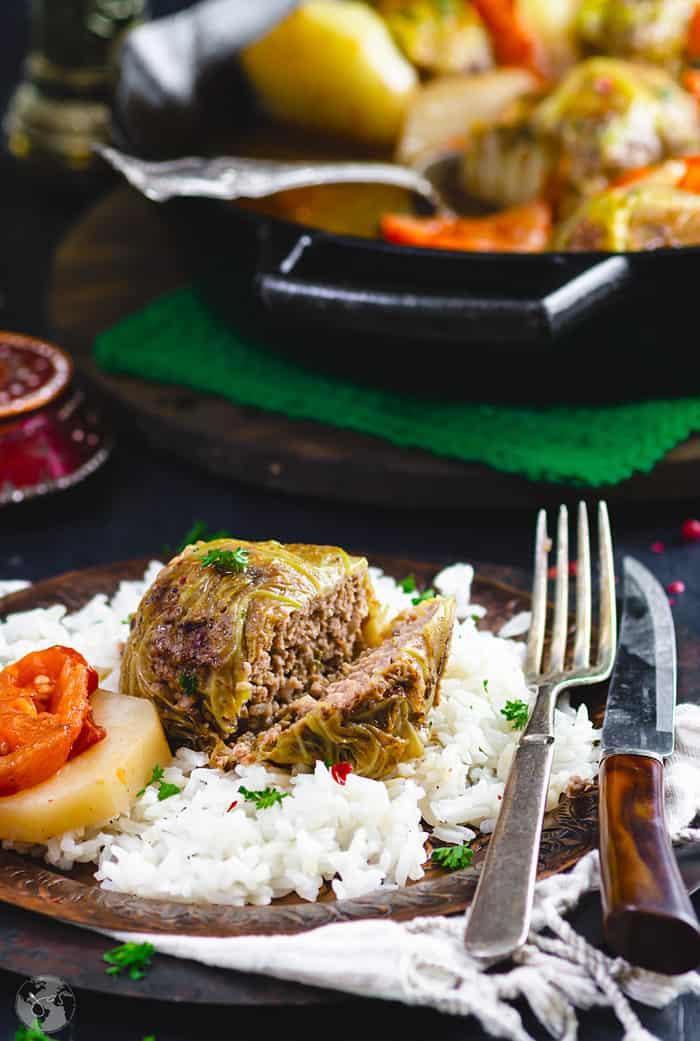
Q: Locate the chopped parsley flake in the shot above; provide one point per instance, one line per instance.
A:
(408, 584)
(453, 857)
(263, 798)
(132, 958)
(486, 686)
(516, 712)
(129, 619)
(165, 790)
(427, 594)
(188, 683)
(226, 561)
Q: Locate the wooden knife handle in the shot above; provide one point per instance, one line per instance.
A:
(648, 917)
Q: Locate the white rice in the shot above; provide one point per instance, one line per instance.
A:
(360, 836)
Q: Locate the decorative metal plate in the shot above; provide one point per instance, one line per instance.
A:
(570, 832)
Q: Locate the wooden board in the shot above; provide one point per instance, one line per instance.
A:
(74, 897)
(126, 251)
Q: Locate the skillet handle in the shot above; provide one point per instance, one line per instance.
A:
(495, 317)
(648, 917)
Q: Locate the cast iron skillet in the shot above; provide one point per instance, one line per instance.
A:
(179, 82)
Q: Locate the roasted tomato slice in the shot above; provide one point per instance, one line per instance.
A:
(44, 716)
(524, 229)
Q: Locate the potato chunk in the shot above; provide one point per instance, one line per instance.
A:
(99, 784)
(333, 67)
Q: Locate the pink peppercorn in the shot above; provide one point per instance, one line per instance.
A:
(657, 547)
(340, 771)
(676, 587)
(690, 530)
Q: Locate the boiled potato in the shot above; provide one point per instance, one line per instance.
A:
(97, 785)
(332, 66)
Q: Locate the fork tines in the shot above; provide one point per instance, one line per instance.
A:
(556, 659)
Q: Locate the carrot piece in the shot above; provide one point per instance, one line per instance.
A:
(513, 43)
(692, 47)
(523, 229)
(630, 176)
(691, 180)
(691, 82)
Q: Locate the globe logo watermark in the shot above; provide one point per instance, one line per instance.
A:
(47, 1001)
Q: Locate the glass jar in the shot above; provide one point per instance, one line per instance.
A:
(63, 103)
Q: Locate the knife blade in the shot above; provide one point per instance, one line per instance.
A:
(647, 915)
(642, 696)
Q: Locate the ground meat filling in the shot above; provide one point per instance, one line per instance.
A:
(390, 687)
(305, 652)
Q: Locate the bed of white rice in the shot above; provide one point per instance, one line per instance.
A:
(360, 836)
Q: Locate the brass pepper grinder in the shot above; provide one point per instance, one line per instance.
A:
(63, 103)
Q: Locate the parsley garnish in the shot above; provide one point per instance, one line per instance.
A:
(199, 532)
(226, 561)
(129, 619)
(165, 789)
(132, 958)
(188, 682)
(408, 584)
(263, 799)
(427, 594)
(486, 686)
(516, 712)
(33, 1033)
(453, 857)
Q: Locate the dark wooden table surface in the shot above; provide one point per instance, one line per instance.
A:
(143, 500)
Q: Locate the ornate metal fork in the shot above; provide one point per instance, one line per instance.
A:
(500, 915)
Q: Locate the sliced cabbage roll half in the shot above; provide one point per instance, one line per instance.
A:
(371, 715)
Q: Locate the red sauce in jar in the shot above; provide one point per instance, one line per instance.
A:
(50, 438)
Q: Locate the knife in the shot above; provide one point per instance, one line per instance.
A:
(648, 918)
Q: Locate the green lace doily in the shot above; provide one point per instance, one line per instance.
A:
(180, 339)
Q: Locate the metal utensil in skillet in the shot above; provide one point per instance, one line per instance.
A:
(502, 907)
(648, 917)
(235, 177)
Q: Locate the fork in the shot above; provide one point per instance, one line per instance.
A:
(502, 907)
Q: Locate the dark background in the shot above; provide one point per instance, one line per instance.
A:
(144, 499)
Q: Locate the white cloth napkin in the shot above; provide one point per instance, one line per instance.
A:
(424, 962)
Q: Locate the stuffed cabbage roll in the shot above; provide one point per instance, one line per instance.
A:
(638, 216)
(264, 651)
(439, 37)
(646, 30)
(606, 116)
